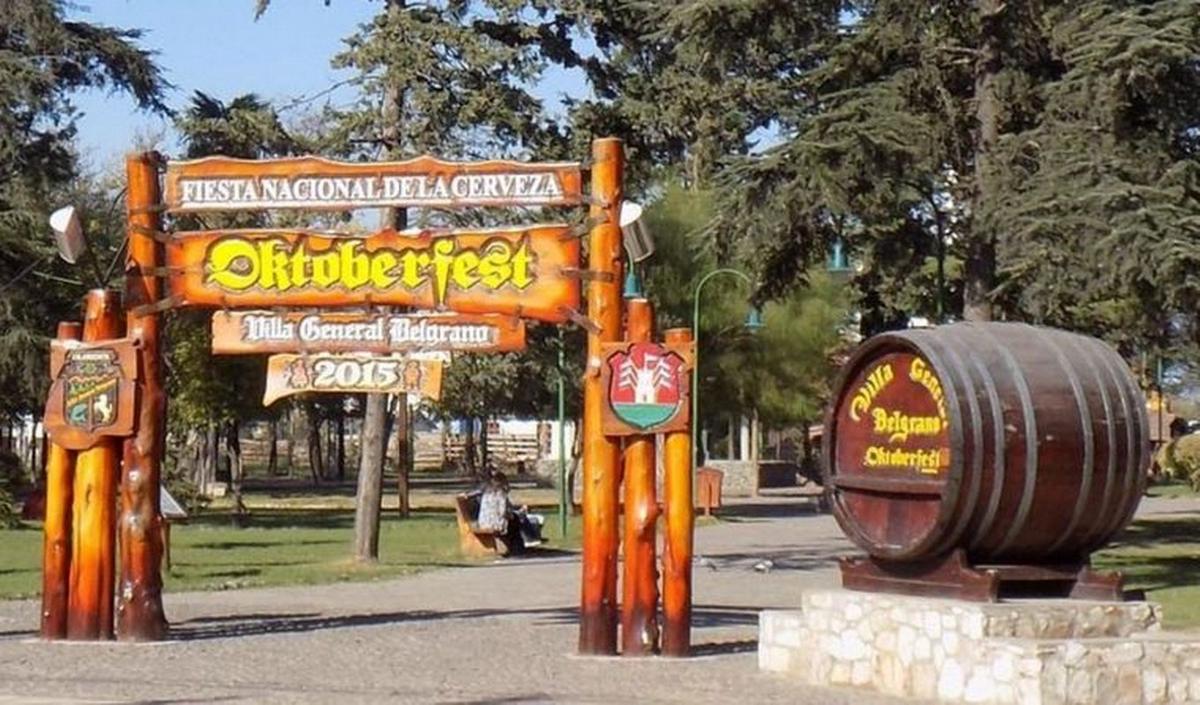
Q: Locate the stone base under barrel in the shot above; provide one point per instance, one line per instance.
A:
(1048, 652)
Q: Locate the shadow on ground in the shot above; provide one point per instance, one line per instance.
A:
(259, 624)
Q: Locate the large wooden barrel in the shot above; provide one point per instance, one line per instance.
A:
(1016, 443)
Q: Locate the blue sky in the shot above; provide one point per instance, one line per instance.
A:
(215, 46)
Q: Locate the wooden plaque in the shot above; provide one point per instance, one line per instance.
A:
(250, 332)
(528, 272)
(314, 183)
(94, 392)
(647, 388)
(289, 374)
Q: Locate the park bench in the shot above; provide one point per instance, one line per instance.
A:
(472, 540)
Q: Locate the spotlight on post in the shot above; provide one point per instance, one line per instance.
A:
(633, 285)
(68, 234)
(754, 320)
(639, 244)
(838, 263)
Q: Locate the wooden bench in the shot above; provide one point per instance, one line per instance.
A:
(473, 541)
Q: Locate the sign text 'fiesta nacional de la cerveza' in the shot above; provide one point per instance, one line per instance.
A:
(222, 184)
(255, 332)
(530, 272)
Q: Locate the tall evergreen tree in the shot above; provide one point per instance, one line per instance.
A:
(451, 78)
(1017, 144)
(44, 60)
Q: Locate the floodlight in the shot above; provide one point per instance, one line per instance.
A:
(68, 234)
(639, 245)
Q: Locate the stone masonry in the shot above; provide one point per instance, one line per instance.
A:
(1032, 652)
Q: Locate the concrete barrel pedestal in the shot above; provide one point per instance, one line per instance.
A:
(1043, 652)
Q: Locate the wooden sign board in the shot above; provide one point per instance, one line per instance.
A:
(289, 374)
(249, 332)
(313, 183)
(528, 272)
(94, 393)
(646, 388)
(895, 423)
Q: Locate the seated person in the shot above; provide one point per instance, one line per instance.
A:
(518, 527)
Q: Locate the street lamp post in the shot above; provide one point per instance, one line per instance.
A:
(753, 322)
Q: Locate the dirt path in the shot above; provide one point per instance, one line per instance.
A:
(503, 632)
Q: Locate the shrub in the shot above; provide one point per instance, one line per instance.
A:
(1180, 459)
(11, 478)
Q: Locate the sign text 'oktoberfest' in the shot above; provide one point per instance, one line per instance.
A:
(528, 272)
(221, 183)
(240, 332)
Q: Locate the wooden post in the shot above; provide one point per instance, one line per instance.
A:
(56, 544)
(140, 612)
(677, 551)
(93, 520)
(598, 603)
(639, 596)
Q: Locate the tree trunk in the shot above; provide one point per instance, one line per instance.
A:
(292, 434)
(370, 468)
(314, 443)
(211, 450)
(469, 446)
(403, 455)
(237, 471)
(484, 454)
(979, 270)
(340, 459)
(370, 480)
(273, 448)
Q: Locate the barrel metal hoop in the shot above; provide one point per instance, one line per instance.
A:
(976, 481)
(1089, 440)
(999, 459)
(1138, 451)
(955, 472)
(1115, 522)
(1029, 416)
(1096, 536)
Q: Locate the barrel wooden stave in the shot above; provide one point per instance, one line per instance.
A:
(1048, 441)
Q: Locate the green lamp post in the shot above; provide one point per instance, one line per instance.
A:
(754, 322)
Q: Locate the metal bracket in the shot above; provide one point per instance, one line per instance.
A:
(581, 320)
(589, 275)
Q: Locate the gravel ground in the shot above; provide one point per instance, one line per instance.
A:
(498, 633)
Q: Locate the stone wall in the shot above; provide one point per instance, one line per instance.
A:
(1036, 652)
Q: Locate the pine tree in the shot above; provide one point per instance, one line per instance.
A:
(1016, 145)
(44, 60)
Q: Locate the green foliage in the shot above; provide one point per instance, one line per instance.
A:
(1096, 108)
(451, 78)
(1180, 459)
(781, 371)
(43, 61)
(11, 478)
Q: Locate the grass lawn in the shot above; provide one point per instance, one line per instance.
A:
(1161, 556)
(281, 546)
(1171, 490)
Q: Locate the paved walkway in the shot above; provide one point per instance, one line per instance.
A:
(499, 633)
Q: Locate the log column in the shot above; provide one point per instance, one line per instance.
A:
(56, 544)
(598, 603)
(140, 612)
(93, 517)
(680, 513)
(639, 596)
